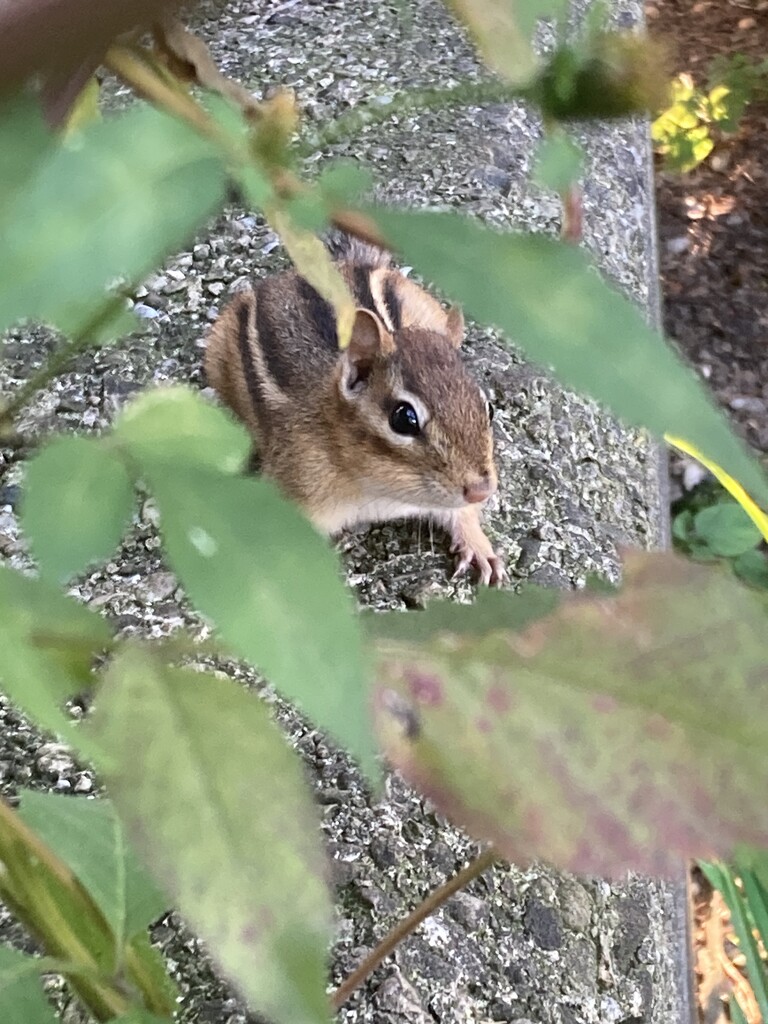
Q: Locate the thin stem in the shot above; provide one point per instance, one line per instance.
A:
(134, 70)
(466, 94)
(410, 923)
(60, 358)
(573, 215)
(147, 83)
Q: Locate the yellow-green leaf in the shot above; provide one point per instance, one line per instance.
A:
(734, 488)
(315, 265)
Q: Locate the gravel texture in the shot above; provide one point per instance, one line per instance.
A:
(520, 945)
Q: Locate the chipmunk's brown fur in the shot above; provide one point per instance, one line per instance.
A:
(320, 418)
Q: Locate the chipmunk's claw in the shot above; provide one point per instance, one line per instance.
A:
(490, 567)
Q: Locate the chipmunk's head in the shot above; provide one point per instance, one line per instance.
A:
(419, 422)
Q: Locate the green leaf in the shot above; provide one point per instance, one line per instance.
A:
(176, 424)
(559, 163)
(78, 499)
(726, 529)
(47, 646)
(89, 837)
(25, 142)
(551, 303)
(756, 900)
(737, 1014)
(127, 191)
(22, 1000)
(682, 526)
(492, 610)
(567, 740)
(149, 972)
(252, 563)
(723, 879)
(231, 832)
(42, 893)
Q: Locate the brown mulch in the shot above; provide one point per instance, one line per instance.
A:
(713, 222)
(718, 961)
(713, 235)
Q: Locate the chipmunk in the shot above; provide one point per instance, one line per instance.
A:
(393, 426)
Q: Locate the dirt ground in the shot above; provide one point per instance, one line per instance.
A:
(713, 222)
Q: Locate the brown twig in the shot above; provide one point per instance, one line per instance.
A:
(410, 923)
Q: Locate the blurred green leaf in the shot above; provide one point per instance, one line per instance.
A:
(231, 832)
(78, 499)
(726, 529)
(176, 424)
(22, 1000)
(47, 646)
(491, 611)
(252, 563)
(559, 163)
(89, 837)
(111, 204)
(547, 297)
(612, 768)
(682, 525)
(752, 567)
(25, 143)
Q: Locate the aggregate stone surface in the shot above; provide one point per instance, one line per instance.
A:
(521, 944)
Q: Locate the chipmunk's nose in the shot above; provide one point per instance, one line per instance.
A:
(479, 489)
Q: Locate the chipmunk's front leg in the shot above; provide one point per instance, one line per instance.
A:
(472, 548)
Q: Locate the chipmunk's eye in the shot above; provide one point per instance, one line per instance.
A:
(491, 411)
(403, 420)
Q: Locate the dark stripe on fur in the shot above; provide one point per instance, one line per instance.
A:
(362, 288)
(246, 358)
(269, 343)
(392, 303)
(320, 313)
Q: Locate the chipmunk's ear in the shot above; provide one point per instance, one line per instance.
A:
(370, 339)
(454, 326)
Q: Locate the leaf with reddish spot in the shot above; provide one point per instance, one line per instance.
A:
(620, 731)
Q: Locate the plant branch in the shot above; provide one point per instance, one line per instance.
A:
(466, 94)
(135, 72)
(410, 923)
(34, 883)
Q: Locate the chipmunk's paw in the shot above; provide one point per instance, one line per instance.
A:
(473, 550)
